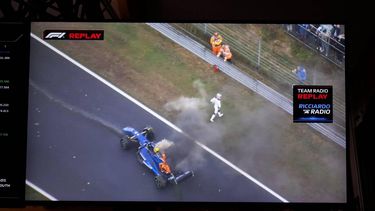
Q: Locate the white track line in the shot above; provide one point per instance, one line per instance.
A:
(49, 196)
(241, 171)
(159, 117)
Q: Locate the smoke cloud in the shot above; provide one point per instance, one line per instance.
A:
(164, 144)
(241, 135)
(193, 117)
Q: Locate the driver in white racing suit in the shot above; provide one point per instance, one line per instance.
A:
(217, 105)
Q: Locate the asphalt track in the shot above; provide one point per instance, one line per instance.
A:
(73, 152)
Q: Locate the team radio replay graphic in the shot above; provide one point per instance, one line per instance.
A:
(312, 104)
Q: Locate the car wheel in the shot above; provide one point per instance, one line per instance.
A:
(160, 182)
(149, 133)
(139, 158)
(125, 142)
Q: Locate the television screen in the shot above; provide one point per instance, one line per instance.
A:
(186, 112)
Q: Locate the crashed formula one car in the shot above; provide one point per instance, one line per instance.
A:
(149, 155)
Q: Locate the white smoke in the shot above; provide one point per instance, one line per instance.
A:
(164, 144)
(193, 160)
(184, 104)
(191, 104)
(193, 118)
(197, 84)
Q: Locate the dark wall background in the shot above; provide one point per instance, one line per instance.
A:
(360, 34)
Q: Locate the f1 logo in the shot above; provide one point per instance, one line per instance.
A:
(57, 35)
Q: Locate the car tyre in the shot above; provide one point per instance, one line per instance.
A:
(125, 142)
(139, 157)
(160, 182)
(149, 133)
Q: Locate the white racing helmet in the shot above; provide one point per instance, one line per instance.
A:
(218, 96)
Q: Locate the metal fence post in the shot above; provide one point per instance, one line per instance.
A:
(259, 47)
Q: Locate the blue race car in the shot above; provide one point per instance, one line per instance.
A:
(150, 155)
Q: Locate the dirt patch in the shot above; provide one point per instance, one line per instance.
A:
(282, 47)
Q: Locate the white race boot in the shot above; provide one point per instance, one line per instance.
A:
(212, 118)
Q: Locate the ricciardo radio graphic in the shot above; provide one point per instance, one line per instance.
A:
(312, 103)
